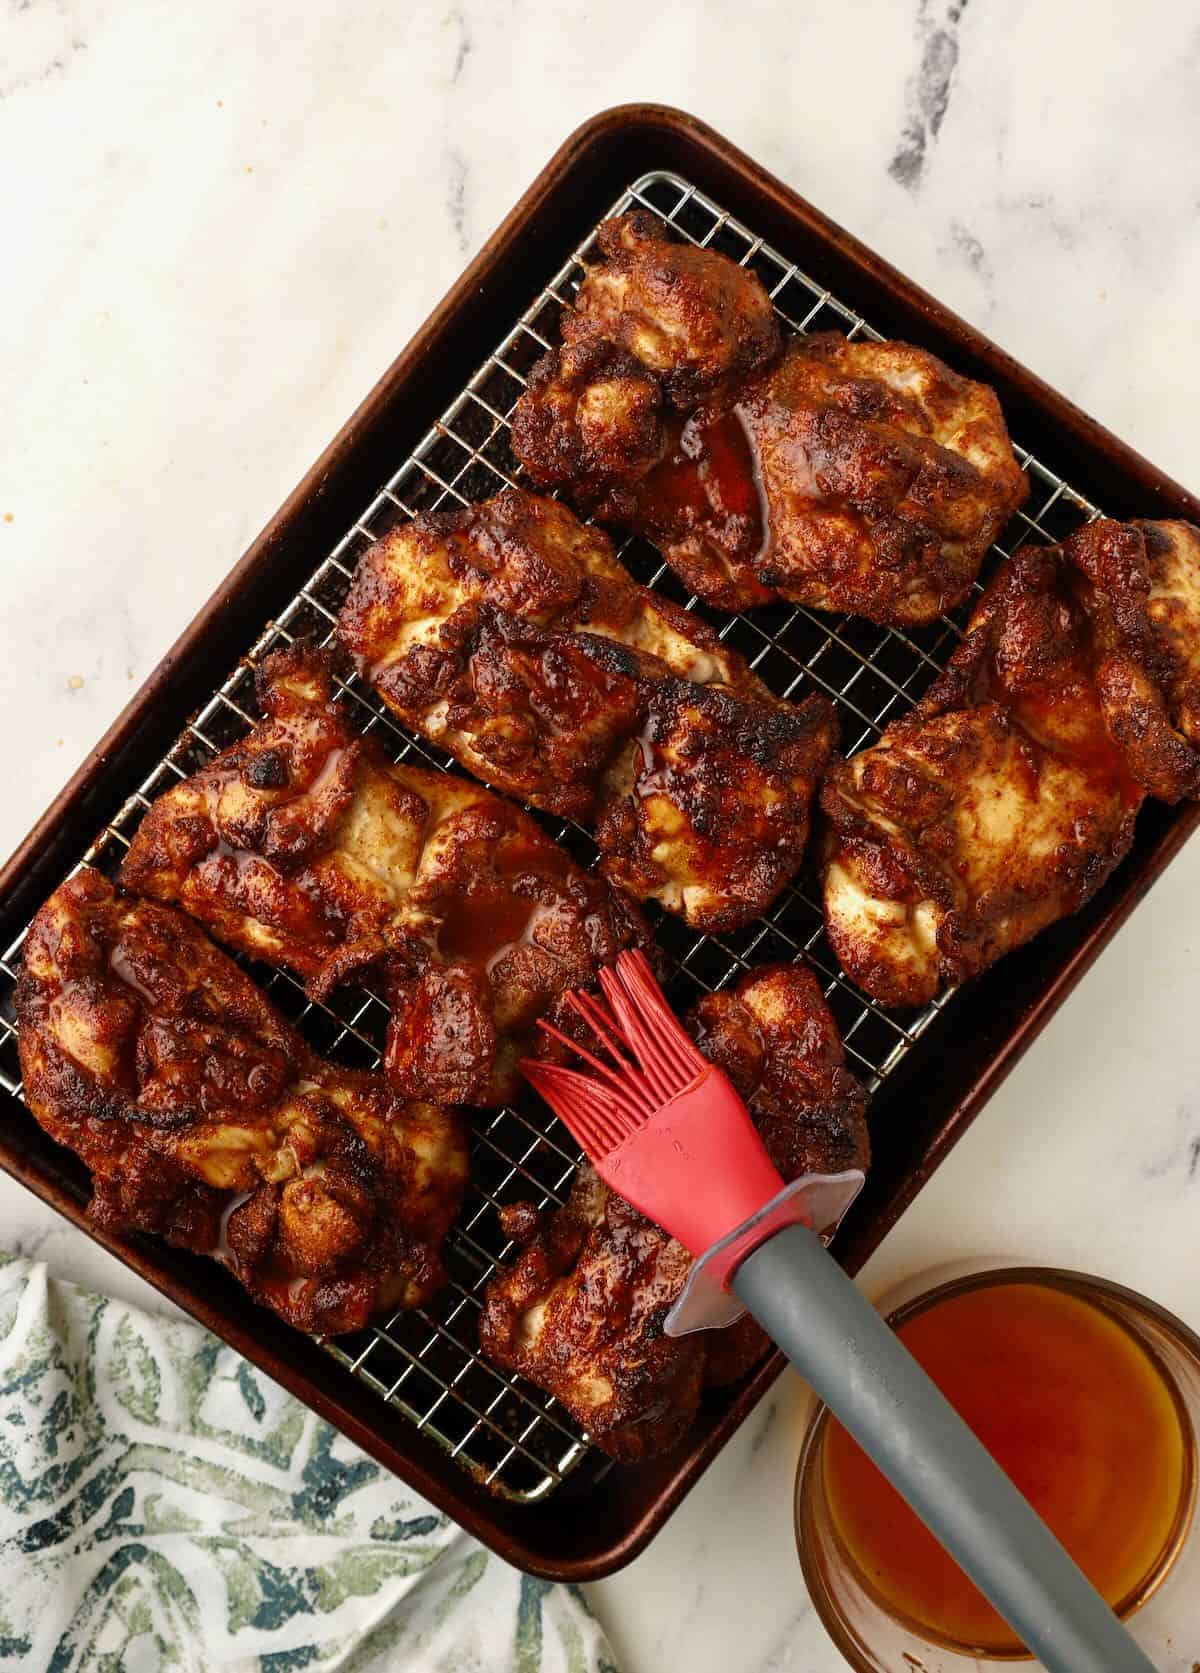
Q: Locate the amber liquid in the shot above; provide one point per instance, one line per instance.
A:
(1079, 1414)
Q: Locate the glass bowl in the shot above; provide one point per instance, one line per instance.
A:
(1164, 1615)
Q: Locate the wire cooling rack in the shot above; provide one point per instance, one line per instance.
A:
(426, 1363)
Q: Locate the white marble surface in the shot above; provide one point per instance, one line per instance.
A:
(219, 223)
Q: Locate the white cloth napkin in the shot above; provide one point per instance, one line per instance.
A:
(163, 1505)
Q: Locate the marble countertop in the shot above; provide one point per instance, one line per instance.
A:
(222, 222)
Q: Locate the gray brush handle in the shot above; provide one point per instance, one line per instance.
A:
(864, 1373)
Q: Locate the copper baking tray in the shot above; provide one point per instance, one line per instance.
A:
(500, 1458)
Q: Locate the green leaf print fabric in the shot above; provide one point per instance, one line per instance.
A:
(165, 1506)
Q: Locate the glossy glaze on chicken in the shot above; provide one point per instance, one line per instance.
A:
(850, 476)
(304, 846)
(1009, 794)
(204, 1117)
(580, 1310)
(510, 635)
(844, 475)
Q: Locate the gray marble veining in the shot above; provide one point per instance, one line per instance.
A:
(927, 94)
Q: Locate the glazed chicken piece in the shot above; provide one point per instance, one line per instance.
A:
(658, 326)
(304, 846)
(204, 1117)
(1009, 794)
(1142, 595)
(510, 635)
(851, 476)
(580, 1310)
(689, 315)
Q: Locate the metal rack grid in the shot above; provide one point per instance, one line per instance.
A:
(426, 1363)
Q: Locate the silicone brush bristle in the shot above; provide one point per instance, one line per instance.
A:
(664, 1127)
(651, 1059)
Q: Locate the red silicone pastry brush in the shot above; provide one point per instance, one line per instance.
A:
(668, 1132)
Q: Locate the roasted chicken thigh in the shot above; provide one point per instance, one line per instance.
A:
(203, 1116)
(658, 326)
(509, 634)
(854, 476)
(1007, 796)
(303, 845)
(580, 1310)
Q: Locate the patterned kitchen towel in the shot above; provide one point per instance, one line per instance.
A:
(164, 1505)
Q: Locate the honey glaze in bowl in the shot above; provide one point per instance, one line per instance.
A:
(1088, 1396)
(1080, 1415)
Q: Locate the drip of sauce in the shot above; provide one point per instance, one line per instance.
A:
(484, 926)
(522, 857)
(1063, 716)
(527, 938)
(1078, 1414)
(481, 927)
(708, 485)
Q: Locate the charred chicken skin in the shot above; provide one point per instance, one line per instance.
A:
(849, 476)
(510, 635)
(580, 1310)
(204, 1117)
(658, 326)
(1005, 799)
(304, 846)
